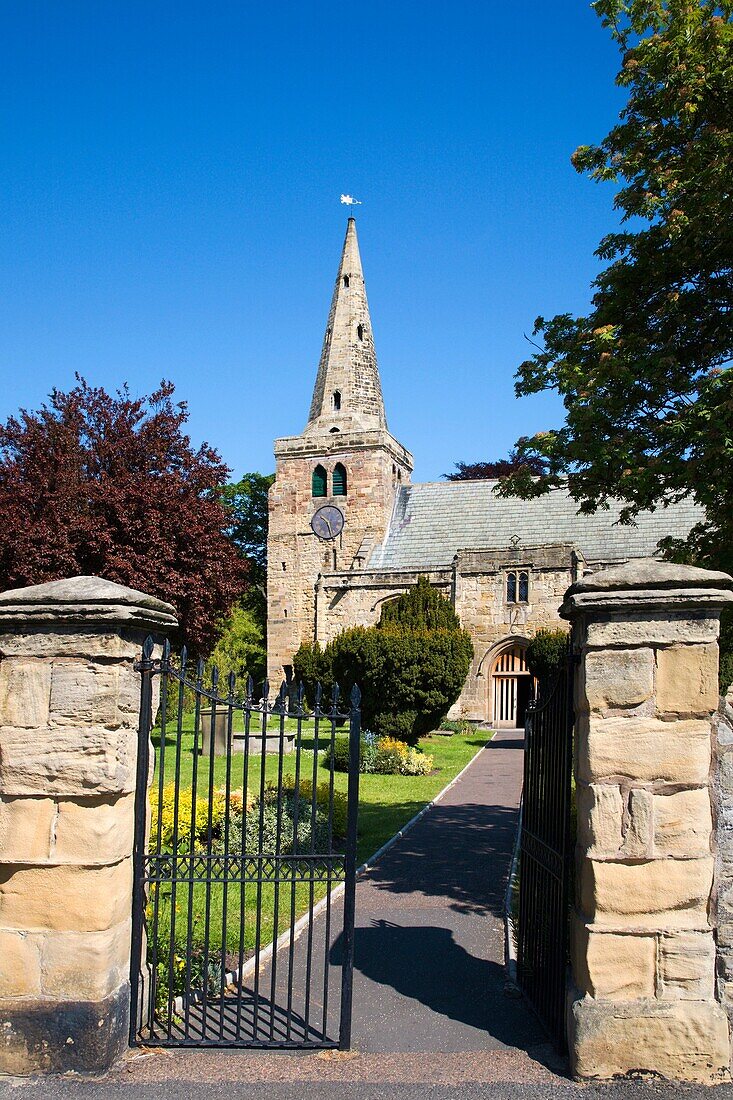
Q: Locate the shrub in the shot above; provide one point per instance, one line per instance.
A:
(311, 666)
(391, 756)
(422, 607)
(200, 822)
(417, 762)
(386, 756)
(546, 653)
(408, 678)
(459, 725)
(340, 753)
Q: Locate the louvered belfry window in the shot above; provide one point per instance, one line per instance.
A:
(339, 480)
(320, 482)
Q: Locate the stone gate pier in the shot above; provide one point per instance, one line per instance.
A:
(69, 702)
(647, 995)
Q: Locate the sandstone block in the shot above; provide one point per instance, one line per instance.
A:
(661, 894)
(92, 643)
(24, 692)
(687, 680)
(611, 966)
(600, 818)
(82, 692)
(643, 749)
(94, 830)
(638, 839)
(631, 629)
(20, 964)
(618, 678)
(26, 829)
(683, 823)
(85, 966)
(681, 1040)
(65, 898)
(687, 966)
(67, 760)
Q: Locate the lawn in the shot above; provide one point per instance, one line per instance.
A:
(236, 920)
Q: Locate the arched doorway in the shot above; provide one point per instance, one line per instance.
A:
(511, 687)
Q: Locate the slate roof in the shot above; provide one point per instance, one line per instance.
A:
(433, 520)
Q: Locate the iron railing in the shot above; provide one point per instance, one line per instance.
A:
(240, 835)
(545, 853)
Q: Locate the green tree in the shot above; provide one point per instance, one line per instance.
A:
(410, 667)
(409, 678)
(421, 607)
(645, 377)
(246, 503)
(546, 653)
(241, 648)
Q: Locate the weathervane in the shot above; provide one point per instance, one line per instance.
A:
(349, 200)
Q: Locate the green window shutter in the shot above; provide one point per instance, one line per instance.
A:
(339, 480)
(320, 482)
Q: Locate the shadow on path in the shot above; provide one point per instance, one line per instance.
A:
(426, 965)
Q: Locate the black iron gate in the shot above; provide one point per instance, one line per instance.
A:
(234, 916)
(545, 852)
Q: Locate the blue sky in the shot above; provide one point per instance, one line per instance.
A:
(169, 186)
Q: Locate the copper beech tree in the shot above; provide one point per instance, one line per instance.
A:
(110, 485)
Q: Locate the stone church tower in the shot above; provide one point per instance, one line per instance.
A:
(335, 484)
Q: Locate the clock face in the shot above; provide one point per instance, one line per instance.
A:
(328, 522)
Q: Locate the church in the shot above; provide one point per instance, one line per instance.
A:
(348, 529)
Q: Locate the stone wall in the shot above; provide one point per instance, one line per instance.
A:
(476, 585)
(644, 995)
(69, 703)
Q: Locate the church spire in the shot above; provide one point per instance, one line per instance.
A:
(348, 392)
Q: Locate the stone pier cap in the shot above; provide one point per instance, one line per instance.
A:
(648, 584)
(85, 600)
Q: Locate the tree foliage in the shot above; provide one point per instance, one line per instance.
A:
(241, 648)
(246, 503)
(408, 678)
(546, 653)
(421, 607)
(532, 466)
(410, 668)
(645, 377)
(111, 486)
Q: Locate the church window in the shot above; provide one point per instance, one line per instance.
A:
(360, 331)
(336, 400)
(319, 482)
(339, 480)
(346, 280)
(517, 587)
(333, 431)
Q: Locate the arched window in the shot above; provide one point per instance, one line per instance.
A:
(511, 587)
(336, 400)
(523, 587)
(360, 331)
(320, 482)
(339, 480)
(346, 280)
